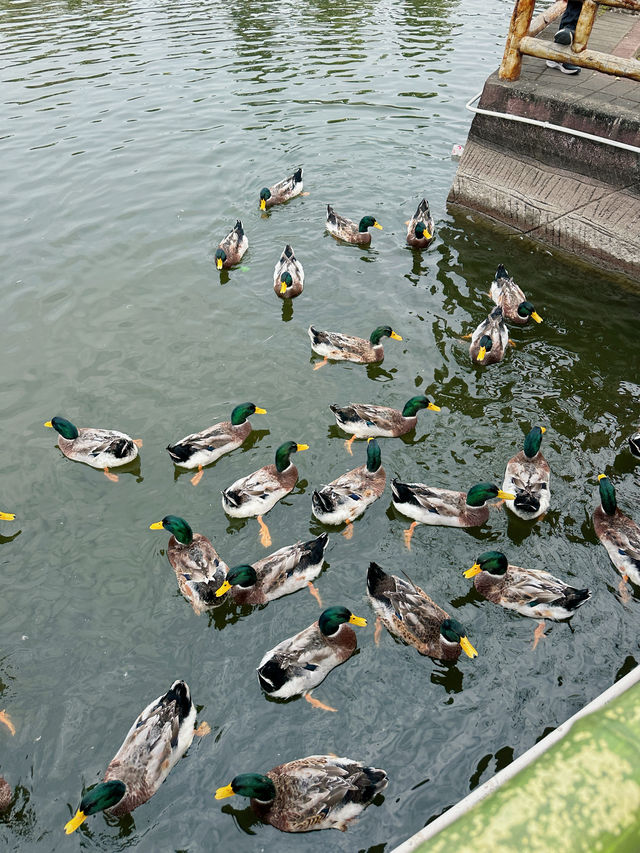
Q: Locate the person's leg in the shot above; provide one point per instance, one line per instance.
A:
(568, 22)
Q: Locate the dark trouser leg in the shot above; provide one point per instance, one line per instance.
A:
(570, 17)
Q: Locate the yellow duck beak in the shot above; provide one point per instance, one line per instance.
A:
(427, 235)
(433, 407)
(283, 287)
(535, 316)
(377, 225)
(543, 429)
(157, 525)
(481, 353)
(260, 411)
(225, 791)
(7, 516)
(302, 446)
(75, 822)
(601, 477)
(49, 424)
(467, 648)
(226, 586)
(506, 496)
(263, 204)
(219, 263)
(473, 571)
(357, 620)
(395, 336)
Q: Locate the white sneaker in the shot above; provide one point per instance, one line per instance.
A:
(565, 67)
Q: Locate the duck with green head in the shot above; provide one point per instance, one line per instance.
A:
(339, 347)
(431, 505)
(203, 448)
(527, 477)
(421, 227)
(299, 663)
(199, 570)
(318, 792)
(284, 190)
(515, 306)
(156, 741)
(617, 532)
(348, 230)
(281, 573)
(347, 497)
(288, 275)
(99, 448)
(489, 340)
(408, 613)
(364, 420)
(531, 592)
(231, 249)
(257, 493)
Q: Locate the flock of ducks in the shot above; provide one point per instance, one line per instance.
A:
(325, 791)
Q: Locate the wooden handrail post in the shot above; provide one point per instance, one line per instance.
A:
(518, 29)
(584, 25)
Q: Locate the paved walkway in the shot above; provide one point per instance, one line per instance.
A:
(576, 194)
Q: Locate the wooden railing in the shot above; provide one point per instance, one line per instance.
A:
(521, 40)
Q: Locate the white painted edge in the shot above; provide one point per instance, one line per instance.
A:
(524, 760)
(557, 127)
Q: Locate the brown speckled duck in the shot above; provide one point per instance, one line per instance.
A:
(409, 613)
(199, 569)
(318, 792)
(282, 191)
(231, 249)
(619, 534)
(349, 231)
(515, 306)
(421, 228)
(156, 741)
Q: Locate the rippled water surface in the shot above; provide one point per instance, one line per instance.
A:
(132, 135)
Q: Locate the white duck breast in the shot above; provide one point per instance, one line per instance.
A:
(528, 479)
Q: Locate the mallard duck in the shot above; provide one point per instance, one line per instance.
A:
(363, 420)
(506, 293)
(282, 191)
(257, 493)
(199, 569)
(100, 448)
(156, 741)
(408, 612)
(634, 444)
(531, 592)
(617, 532)
(232, 248)
(421, 228)
(339, 347)
(347, 497)
(7, 516)
(281, 573)
(318, 792)
(300, 663)
(349, 231)
(6, 794)
(527, 477)
(489, 340)
(203, 448)
(288, 275)
(430, 505)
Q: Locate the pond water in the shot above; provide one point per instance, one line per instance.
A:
(132, 135)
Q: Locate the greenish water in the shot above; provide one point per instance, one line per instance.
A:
(131, 137)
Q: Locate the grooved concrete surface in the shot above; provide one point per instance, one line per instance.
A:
(577, 195)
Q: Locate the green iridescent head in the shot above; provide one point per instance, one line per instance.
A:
(333, 617)
(368, 222)
(486, 342)
(421, 231)
(374, 457)
(607, 494)
(103, 796)
(526, 309)
(243, 576)
(493, 562)
(532, 441)
(177, 526)
(221, 257)
(64, 427)
(284, 452)
(243, 411)
(383, 332)
(455, 632)
(413, 406)
(479, 494)
(249, 785)
(286, 279)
